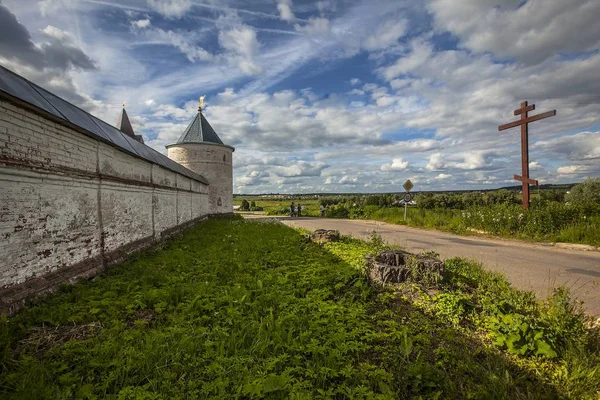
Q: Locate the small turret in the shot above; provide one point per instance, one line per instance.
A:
(200, 149)
(125, 126)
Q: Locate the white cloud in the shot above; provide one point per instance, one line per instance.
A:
(170, 8)
(318, 27)
(436, 162)
(243, 45)
(285, 10)
(535, 166)
(442, 177)
(581, 146)
(569, 169)
(348, 180)
(355, 81)
(530, 31)
(183, 42)
(397, 164)
(420, 52)
(141, 23)
(356, 92)
(386, 34)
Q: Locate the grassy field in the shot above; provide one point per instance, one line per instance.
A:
(310, 207)
(241, 309)
(549, 223)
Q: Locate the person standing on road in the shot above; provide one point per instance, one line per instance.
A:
(292, 210)
(299, 210)
(322, 208)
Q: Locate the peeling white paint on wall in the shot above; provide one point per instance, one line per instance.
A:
(67, 199)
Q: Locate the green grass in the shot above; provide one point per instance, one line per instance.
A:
(310, 208)
(241, 309)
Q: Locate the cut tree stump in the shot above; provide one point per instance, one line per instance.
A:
(397, 266)
(325, 235)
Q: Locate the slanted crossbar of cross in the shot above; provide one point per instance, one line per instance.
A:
(523, 123)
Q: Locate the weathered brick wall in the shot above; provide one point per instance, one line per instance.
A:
(70, 205)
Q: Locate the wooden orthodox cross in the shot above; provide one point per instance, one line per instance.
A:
(523, 122)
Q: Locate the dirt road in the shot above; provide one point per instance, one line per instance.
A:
(528, 266)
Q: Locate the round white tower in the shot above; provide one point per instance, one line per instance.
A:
(201, 150)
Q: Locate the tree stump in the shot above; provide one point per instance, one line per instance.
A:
(396, 266)
(324, 235)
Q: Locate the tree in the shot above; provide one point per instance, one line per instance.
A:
(245, 205)
(586, 193)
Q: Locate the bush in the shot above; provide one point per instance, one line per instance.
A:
(245, 206)
(337, 211)
(586, 193)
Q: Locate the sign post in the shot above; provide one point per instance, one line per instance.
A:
(524, 123)
(408, 185)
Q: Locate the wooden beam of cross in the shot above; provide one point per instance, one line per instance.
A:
(523, 122)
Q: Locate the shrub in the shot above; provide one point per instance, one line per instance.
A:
(245, 206)
(586, 193)
(337, 211)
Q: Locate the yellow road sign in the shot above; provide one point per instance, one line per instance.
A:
(408, 185)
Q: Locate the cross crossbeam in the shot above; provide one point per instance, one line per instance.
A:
(523, 122)
(527, 120)
(525, 180)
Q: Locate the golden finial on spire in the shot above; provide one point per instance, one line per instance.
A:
(123, 103)
(201, 103)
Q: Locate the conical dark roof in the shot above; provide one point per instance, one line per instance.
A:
(124, 125)
(199, 131)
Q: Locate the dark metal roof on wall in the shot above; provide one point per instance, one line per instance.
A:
(15, 87)
(199, 131)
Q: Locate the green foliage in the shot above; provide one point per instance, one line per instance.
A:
(586, 193)
(521, 335)
(245, 206)
(213, 314)
(337, 211)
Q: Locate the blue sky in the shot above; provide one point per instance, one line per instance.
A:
(332, 95)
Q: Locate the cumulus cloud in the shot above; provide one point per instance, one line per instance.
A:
(58, 51)
(348, 180)
(170, 8)
(442, 177)
(397, 164)
(50, 62)
(530, 31)
(420, 52)
(581, 146)
(436, 162)
(535, 166)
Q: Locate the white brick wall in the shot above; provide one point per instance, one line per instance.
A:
(66, 198)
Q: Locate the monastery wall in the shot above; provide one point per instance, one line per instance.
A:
(70, 205)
